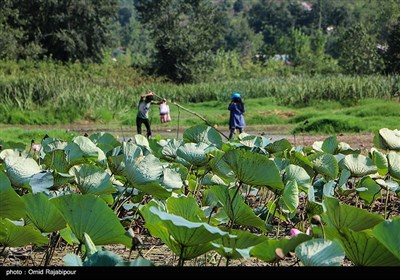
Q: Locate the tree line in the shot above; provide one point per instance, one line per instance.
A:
(184, 40)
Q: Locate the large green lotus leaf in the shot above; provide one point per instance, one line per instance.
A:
(221, 167)
(330, 145)
(67, 234)
(237, 210)
(325, 164)
(159, 229)
(239, 247)
(142, 142)
(61, 179)
(20, 169)
(212, 180)
(317, 146)
(87, 147)
(290, 196)
(265, 251)
(278, 146)
(186, 207)
(362, 248)
(345, 149)
(155, 189)
(388, 139)
(92, 179)
(185, 232)
(171, 179)
(320, 252)
(394, 164)
(358, 165)
(368, 190)
(12, 206)
(139, 261)
(43, 214)
(168, 151)
(194, 153)
(116, 164)
(344, 178)
(42, 182)
(72, 260)
(329, 189)
(344, 216)
(103, 258)
(131, 151)
(248, 141)
(12, 235)
(51, 144)
(299, 174)
(253, 169)
(156, 226)
(105, 141)
(57, 160)
(381, 161)
(388, 233)
(142, 170)
(203, 134)
(297, 158)
(90, 214)
(10, 153)
(74, 154)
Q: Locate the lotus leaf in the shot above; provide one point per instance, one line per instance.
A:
(90, 214)
(254, 169)
(237, 210)
(381, 161)
(388, 233)
(362, 248)
(203, 134)
(299, 174)
(344, 216)
(20, 169)
(193, 153)
(320, 252)
(43, 214)
(239, 247)
(12, 206)
(394, 164)
(92, 179)
(265, 251)
(325, 164)
(388, 139)
(358, 165)
(12, 235)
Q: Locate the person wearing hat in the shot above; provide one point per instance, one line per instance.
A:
(236, 118)
(142, 116)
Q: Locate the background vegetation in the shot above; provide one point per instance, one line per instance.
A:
(330, 58)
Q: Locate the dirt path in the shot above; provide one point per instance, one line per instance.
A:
(363, 141)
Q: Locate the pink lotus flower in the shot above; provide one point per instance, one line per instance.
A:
(294, 231)
(36, 147)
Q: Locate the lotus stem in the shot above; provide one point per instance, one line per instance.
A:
(386, 204)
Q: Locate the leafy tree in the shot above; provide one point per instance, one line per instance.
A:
(392, 54)
(185, 32)
(358, 52)
(12, 38)
(65, 30)
(238, 6)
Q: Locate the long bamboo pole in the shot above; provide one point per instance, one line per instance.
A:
(197, 115)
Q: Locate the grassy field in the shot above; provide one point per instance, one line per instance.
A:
(262, 115)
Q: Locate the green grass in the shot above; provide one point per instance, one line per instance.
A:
(20, 137)
(262, 114)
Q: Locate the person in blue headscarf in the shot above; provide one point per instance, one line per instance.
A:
(236, 118)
